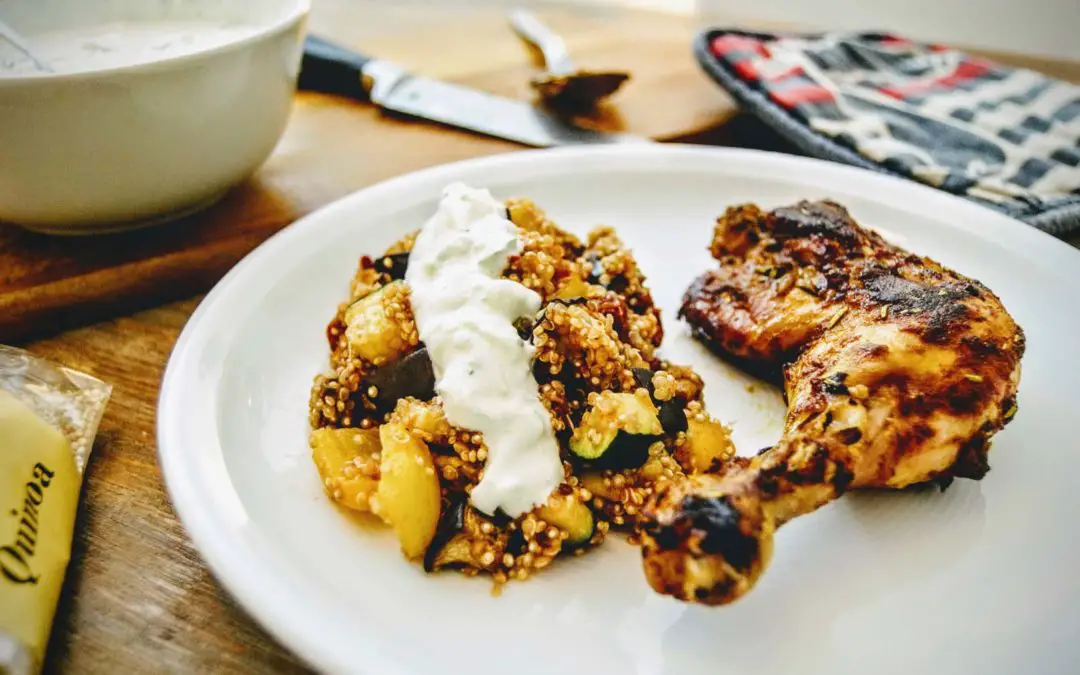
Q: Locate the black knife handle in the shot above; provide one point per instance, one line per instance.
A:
(332, 69)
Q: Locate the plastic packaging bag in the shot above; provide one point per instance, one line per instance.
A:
(49, 417)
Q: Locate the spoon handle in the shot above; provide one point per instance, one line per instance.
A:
(9, 34)
(534, 32)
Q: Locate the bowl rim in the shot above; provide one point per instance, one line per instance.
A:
(297, 14)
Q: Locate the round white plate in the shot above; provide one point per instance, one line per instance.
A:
(983, 578)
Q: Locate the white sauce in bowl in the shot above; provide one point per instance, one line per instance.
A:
(464, 312)
(118, 44)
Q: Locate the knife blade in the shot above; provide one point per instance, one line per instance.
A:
(333, 69)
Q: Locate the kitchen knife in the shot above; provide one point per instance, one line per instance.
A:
(332, 69)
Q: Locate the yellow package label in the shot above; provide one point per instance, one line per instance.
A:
(39, 494)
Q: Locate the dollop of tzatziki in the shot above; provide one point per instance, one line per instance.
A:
(465, 313)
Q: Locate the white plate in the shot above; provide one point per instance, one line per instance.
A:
(984, 578)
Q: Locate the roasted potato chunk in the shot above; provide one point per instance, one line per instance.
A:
(348, 463)
(408, 497)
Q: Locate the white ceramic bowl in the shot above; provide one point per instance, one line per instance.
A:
(155, 109)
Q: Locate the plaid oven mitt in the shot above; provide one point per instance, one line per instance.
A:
(1004, 137)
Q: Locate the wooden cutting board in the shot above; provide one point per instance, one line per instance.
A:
(334, 146)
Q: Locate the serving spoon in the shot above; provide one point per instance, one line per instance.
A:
(20, 43)
(563, 85)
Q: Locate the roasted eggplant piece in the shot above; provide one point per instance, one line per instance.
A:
(394, 266)
(455, 553)
(672, 412)
(450, 525)
(452, 545)
(412, 375)
(643, 378)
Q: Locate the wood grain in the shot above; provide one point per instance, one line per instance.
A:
(137, 598)
(334, 146)
(331, 148)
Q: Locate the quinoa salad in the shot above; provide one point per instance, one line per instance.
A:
(507, 407)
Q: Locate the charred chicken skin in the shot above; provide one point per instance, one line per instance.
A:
(896, 371)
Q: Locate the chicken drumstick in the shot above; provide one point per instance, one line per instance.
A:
(896, 371)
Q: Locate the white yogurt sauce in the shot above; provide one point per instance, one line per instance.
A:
(483, 369)
(112, 45)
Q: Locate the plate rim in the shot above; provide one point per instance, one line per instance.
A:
(233, 562)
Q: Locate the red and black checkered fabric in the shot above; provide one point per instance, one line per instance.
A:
(1006, 137)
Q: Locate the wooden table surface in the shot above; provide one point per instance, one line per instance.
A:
(137, 597)
(51, 283)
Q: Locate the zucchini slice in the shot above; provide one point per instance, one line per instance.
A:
(617, 430)
(571, 516)
(365, 298)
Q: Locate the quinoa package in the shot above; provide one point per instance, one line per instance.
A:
(48, 419)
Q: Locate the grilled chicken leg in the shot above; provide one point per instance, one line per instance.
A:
(896, 371)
